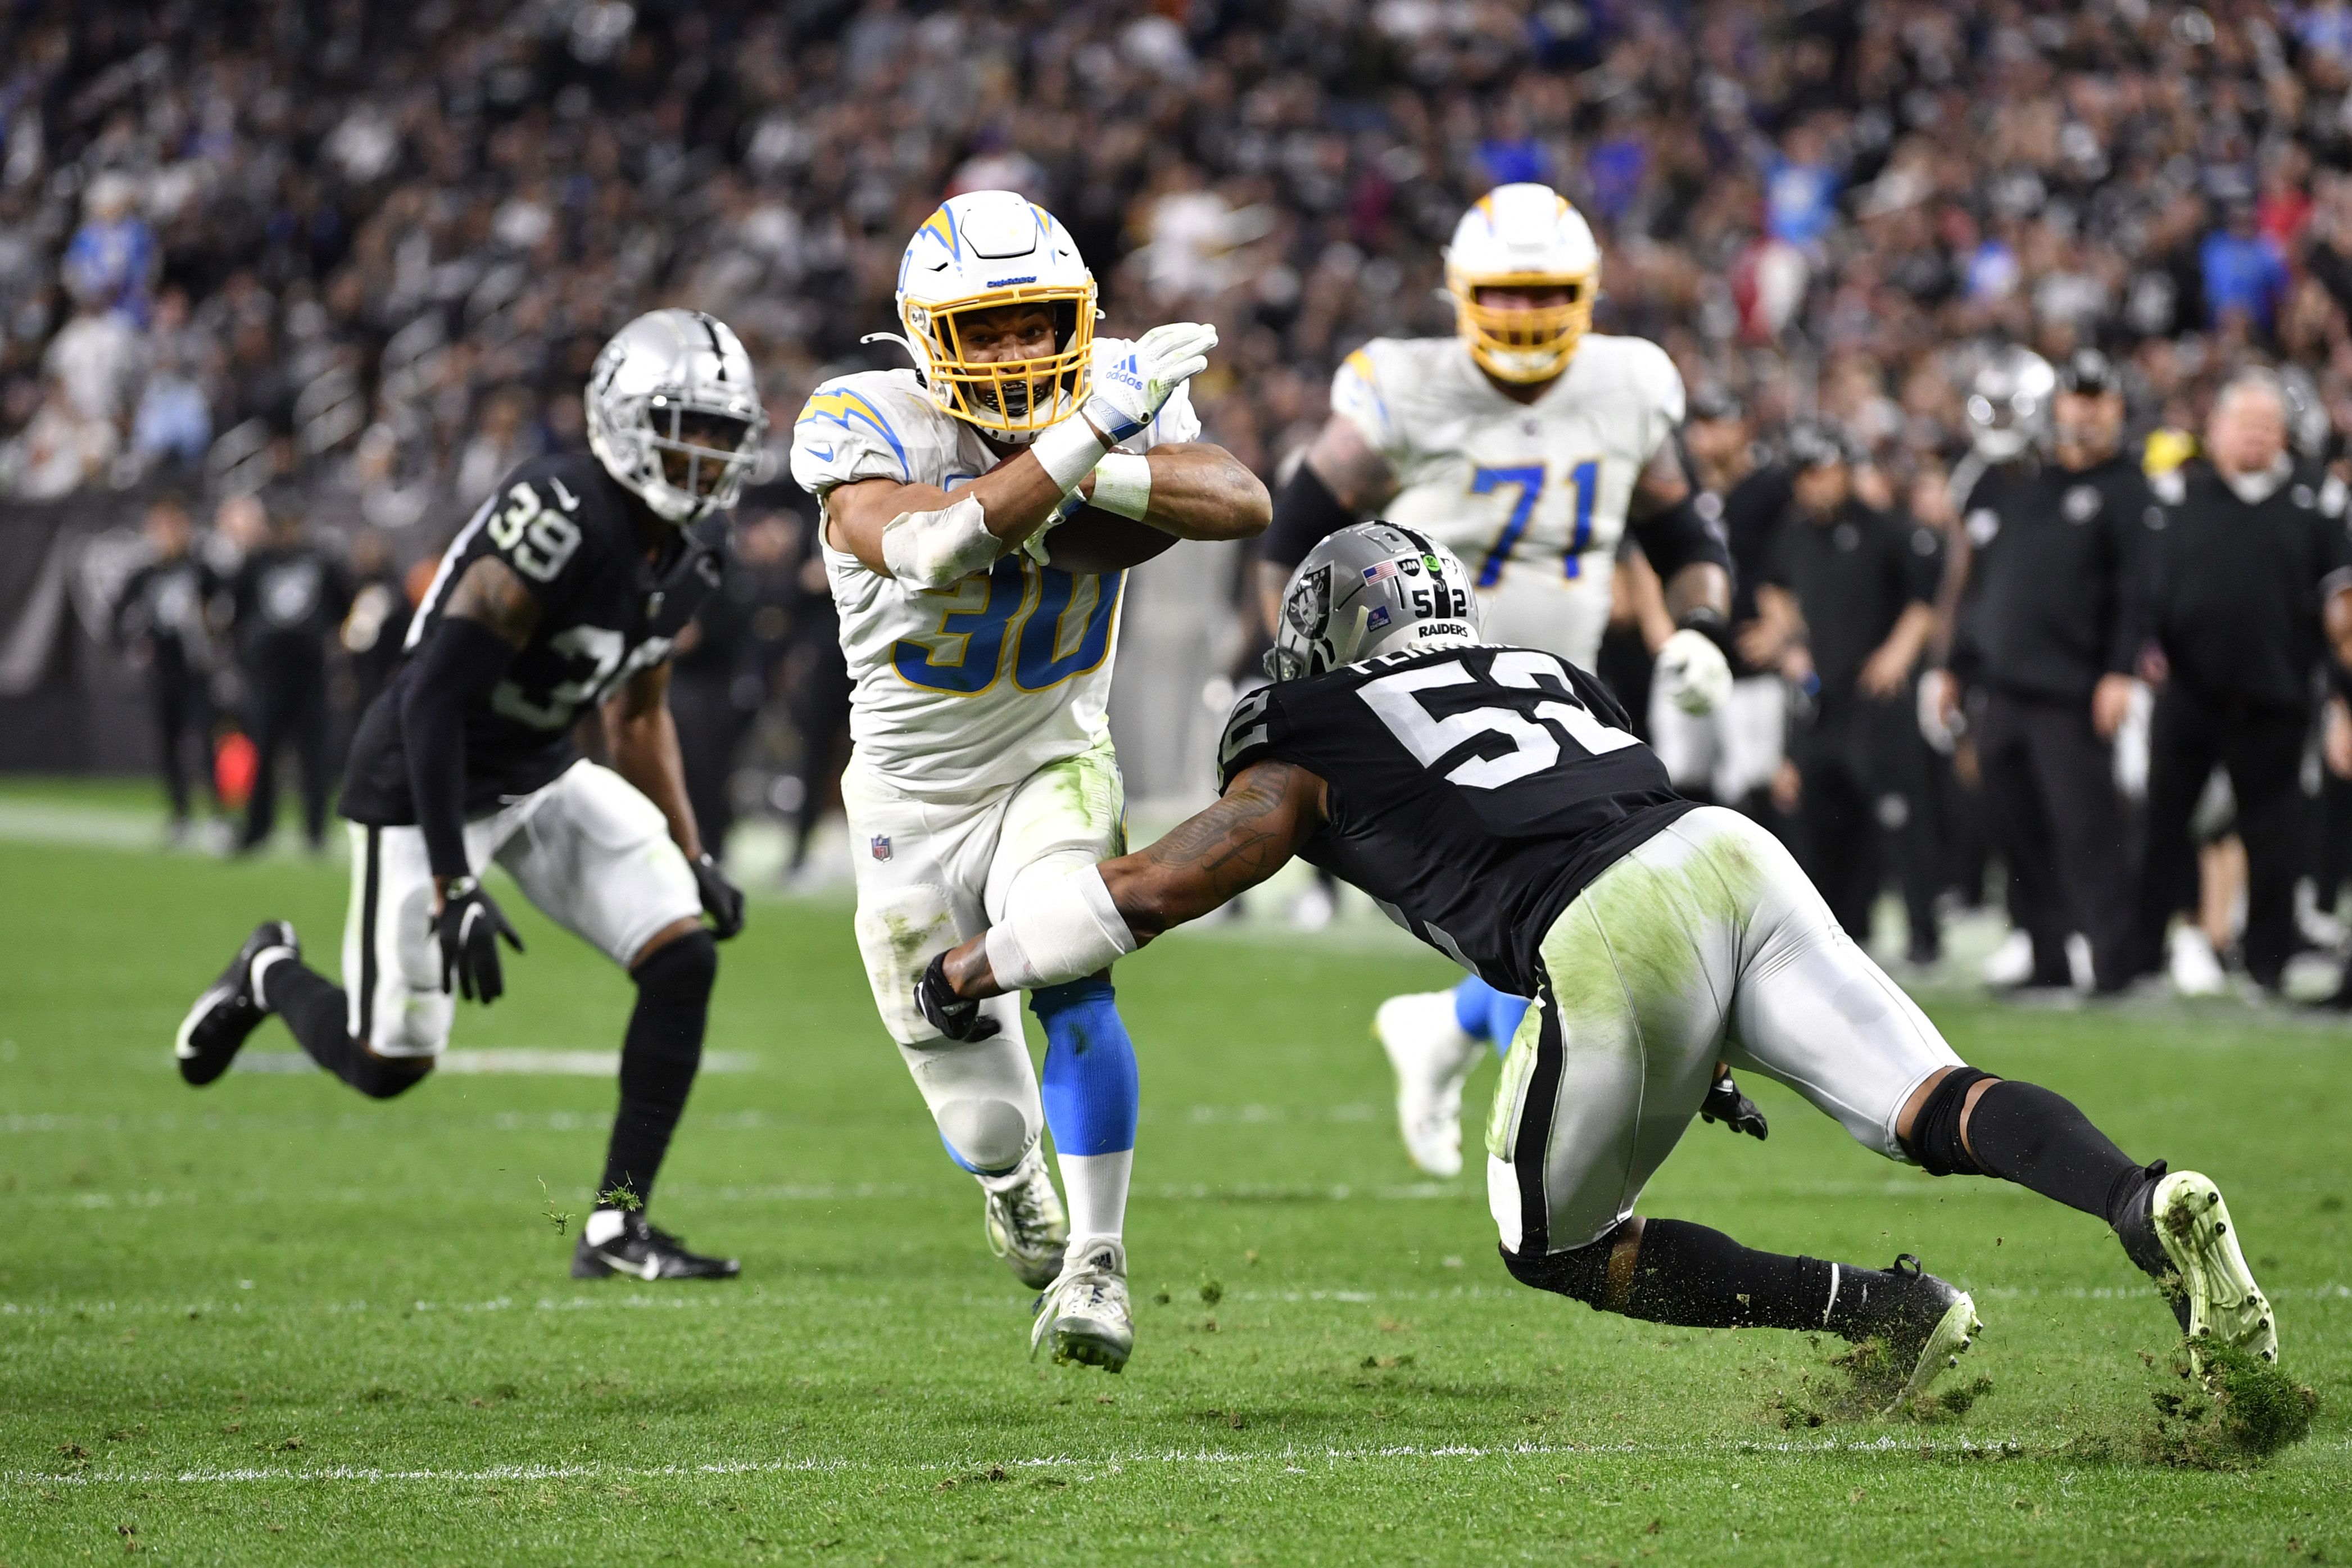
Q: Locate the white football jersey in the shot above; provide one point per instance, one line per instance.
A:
(1532, 497)
(961, 691)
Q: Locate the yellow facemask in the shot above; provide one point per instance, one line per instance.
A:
(1009, 397)
(1520, 345)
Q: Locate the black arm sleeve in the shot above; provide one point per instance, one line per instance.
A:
(1678, 537)
(1305, 514)
(460, 660)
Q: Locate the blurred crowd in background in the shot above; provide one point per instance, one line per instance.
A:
(355, 258)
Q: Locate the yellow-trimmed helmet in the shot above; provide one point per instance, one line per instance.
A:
(1523, 237)
(982, 251)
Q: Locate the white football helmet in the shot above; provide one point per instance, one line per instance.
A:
(1369, 589)
(1523, 237)
(2009, 404)
(674, 413)
(982, 251)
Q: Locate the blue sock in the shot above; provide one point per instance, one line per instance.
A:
(1503, 1016)
(1486, 1013)
(1089, 1083)
(1473, 1005)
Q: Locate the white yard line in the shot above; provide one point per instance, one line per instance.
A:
(1290, 1457)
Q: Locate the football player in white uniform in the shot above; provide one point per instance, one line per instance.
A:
(1527, 444)
(981, 651)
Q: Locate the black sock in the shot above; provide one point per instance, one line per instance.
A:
(2024, 1133)
(659, 1058)
(1701, 1279)
(315, 1010)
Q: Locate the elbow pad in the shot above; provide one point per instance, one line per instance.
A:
(1306, 513)
(1056, 929)
(1679, 537)
(935, 549)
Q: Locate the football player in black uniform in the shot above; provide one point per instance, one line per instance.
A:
(563, 594)
(1492, 802)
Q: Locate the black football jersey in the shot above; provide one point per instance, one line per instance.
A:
(606, 612)
(1473, 792)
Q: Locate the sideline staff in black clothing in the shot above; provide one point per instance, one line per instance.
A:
(2048, 536)
(2244, 552)
(160, 619)
(289, 598)
(1846, 608)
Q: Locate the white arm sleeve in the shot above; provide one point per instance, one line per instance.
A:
(1057, 930)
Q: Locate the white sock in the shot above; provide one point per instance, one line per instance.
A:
(601, 1227)
(1093, 1187)
(259, 971)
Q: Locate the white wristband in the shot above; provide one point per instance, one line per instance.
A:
(1123, 484)
(1070, 451)
(1056, 929)
(934, 549)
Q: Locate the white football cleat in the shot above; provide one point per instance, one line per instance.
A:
(2193, 1225)
(2011, 963)
(2195, 970)
(1083, 1315)
(1024, 1221)
(1432, 1054)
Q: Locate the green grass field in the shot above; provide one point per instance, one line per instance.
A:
(273, 1323)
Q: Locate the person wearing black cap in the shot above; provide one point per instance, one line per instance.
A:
(2242, 587)
(2043, 567)
(290, 597)
(1846, 608)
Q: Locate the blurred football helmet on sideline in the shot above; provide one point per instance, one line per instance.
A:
(2009, 404)
(674, 413)
(1523, 237)
(982, 251)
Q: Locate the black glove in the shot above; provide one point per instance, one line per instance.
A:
(949, 1013)
(469, 926)
(1725, 1103)
(722, 900)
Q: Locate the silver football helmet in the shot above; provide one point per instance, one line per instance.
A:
(1370, 589)
(2009, 404)
(674, 413)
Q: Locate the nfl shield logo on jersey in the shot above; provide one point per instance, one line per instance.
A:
(880, 844)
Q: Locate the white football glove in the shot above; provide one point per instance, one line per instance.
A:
(1693, 673)
(1129, 392)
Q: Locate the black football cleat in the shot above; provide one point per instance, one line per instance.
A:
(1923, 1324)
(229, 1012)
(641, 1252)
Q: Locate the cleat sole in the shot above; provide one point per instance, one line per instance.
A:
(2193, 1225)
(1954, 1333)
(1073, 1348)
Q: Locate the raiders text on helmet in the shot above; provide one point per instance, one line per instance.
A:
(1523, 237)
(982, 251)
(674, 414)
(1367, 590)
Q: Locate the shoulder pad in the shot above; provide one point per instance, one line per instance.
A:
(540, 514)
(858, 427)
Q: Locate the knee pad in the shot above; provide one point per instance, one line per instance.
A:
(1935, 1143)
(986, 1137)
(680, 971)
(1582, 1273)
